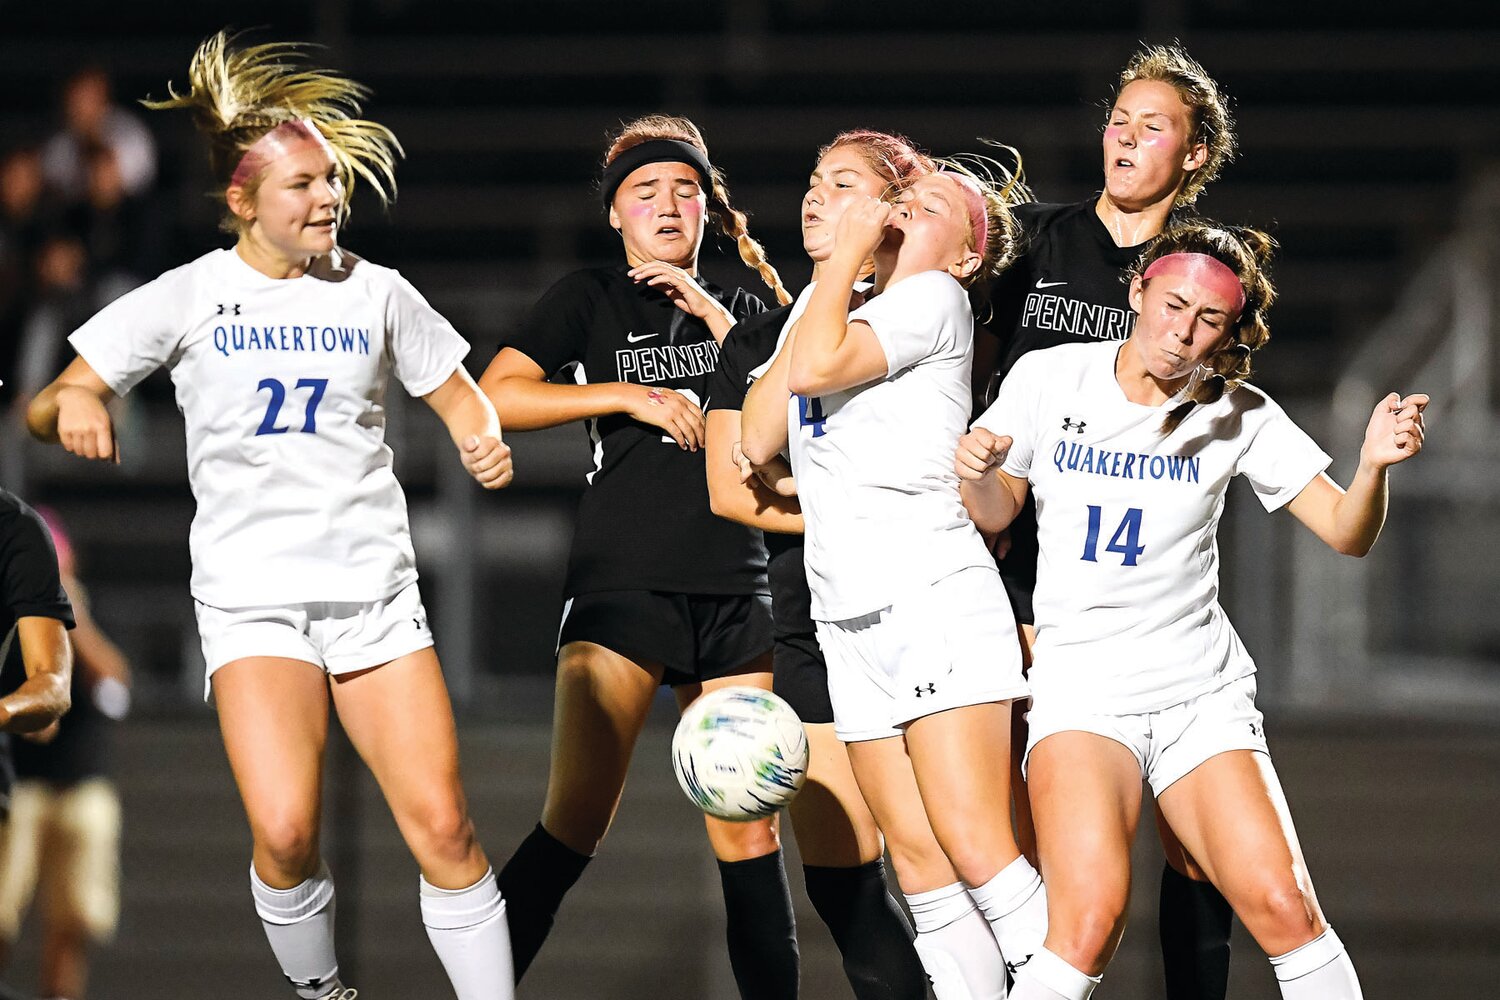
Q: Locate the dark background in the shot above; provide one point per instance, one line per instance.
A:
(1369, 147)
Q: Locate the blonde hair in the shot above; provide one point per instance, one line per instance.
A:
(237, 95)
(732, 222)
(1002, 188)
(1247, 252)
(1213, 125)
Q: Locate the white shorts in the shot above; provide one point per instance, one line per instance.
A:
(1170, 743)
(947, 645)
(339, 636)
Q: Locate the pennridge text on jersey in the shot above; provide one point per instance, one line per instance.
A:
(1124, 464)
(328, 339)
(1082, 319)
(653, 364)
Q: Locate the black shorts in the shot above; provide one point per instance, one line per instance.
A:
(696, 637)
(801, 677)
(1018, 568)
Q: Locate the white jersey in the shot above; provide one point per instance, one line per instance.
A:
(281, 384)
(1127, 612)
(874, 464)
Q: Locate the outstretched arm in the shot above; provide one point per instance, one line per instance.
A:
(71, 411)
(474, 428)
(1350, 521)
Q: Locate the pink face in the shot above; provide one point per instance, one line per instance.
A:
(297, 203)
(659, 211)
(842, 177)
(930, 229)
(1148, 148)
(1182, 323)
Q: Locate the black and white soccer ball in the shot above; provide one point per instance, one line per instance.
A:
(740, 753)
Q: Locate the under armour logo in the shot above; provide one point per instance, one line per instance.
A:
(931, 689)
(1069, 424)
(1255, 730)
(1015, 967)
(229, 310)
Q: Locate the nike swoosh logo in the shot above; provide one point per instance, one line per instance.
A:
(636, 340)
(1049, 284)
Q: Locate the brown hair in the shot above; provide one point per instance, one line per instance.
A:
(893, 157)
(1247, 252)
(237, 95)
(732, 221)
(1209, 106)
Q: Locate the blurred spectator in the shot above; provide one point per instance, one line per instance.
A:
(62, 844)
(23, 220)
(90, 119)
(118, 230)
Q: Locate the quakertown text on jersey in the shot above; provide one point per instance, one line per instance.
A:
(1124, 464)
(309, 339)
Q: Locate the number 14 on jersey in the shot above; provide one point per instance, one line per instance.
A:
(1126, 540)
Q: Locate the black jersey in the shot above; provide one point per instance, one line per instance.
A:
(749, 345)
(30, 587)
(644, 522)
(1066, 287)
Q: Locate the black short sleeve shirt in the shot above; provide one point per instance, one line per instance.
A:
(30, 587)
(644, 521)
(749, 345)
(1066, 287)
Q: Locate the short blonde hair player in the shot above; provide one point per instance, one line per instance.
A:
(304, 579)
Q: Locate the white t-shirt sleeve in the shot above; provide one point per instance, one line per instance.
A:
(135, 334)
(1013, 413)
(425, 349)
(1281, 459)
(912, 318)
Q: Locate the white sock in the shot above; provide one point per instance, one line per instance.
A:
(1015, 904)
(1047, 977)
(956, 947)
(1319, 970)
(468, 931)
(299, 925)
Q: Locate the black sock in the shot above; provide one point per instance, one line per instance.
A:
(1195, 921)
(534, 882)
(762, 932)
(870, 930)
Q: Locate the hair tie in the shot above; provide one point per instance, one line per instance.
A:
(652, 151)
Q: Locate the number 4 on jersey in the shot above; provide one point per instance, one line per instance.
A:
(278, 396)
(1129, 530)
(810, 414)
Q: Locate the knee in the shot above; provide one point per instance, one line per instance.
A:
(289, 843)
(743, 841)
(1085, 937)
(919, 862)
(1281, 915)
(443, 828)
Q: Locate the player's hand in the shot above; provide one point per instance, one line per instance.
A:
(668, 409)
(681, 289)
(43, 736)
(84, 426)
(488, 460)
(980, 452)
(862, 227)
(1395, 430)
(745, 466)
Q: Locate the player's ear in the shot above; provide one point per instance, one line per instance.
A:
(1137, 292)
(614, 219)
(241, 203)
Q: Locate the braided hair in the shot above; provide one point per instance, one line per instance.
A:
(732, 222)
(1245, 251)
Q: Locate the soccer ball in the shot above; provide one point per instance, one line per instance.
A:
(740, 753)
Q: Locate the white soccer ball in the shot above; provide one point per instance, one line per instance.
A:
(740, 753)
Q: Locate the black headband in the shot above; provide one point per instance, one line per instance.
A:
(655, 151)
